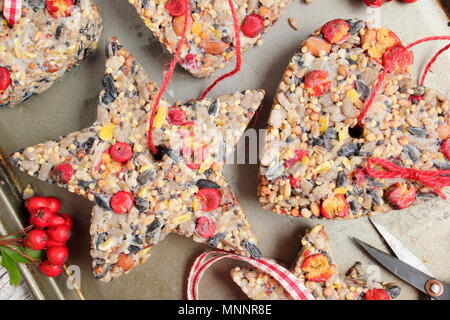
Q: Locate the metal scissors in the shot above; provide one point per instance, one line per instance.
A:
(407, 266)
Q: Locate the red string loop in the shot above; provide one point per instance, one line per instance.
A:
(434, 179)
(169, 73)
(422, 81)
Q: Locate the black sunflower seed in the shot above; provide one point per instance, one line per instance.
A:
(363, 90)
(341, 179)
(133, 249)
(208, 184)
(153, 226)
(100, 238)
(146, 176)
(142, 205)
(110, 89)
(214, 108)
(102, 201)
(214, 240)
(419, 132)
(350, 150)
(255, 253)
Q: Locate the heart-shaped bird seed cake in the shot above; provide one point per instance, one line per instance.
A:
(141, 197)
(315, 267)
(210, 33)
(325, 157)
(49, 38)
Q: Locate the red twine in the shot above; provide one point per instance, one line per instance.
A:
(435, 179)
(12, 11)
(287, 280)
(174, 61)
(422, 81)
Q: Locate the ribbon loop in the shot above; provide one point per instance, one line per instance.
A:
(285, 278)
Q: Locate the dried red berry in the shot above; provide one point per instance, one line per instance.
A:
(295, 182)
(5, 79)
(36, 239)
(252, 25)
(59, 233)
(121, 202)
(57, 254)
(57, 220)
(400, 196)
(67, 220)
(317, 82)
(334, 206)
(121, 152)
(35, 203)
(374, 3)
(376, 294)
(194, 158)
(445, 148)
(397, 59)
(360, 176)
(63, 172)
(206, 227)
(176, 7)
(299, 155)
(59, 8)
(317, 268)
(54, 204)
(49, 269)
(176, 116)
(41, 217)
(336, 31)
(209, 199)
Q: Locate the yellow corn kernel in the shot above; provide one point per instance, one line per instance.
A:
(180, 219)
(340, 190)
(145, 251)
(346, 162)
(205, 165)
(353, 95)
(160, 117)
(107, 244)
(196, 28)
(323, 123)
(145, 167)
(343, 134)
(324, 167)
(195, 204)
(106, 132)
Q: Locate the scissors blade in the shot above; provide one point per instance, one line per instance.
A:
(404, 271)
(400, 250)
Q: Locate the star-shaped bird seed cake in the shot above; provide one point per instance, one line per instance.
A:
(141, 197)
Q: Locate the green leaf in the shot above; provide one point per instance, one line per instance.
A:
(14, 255)
(34, 254)
(11, 267)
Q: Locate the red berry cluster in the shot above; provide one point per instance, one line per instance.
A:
(51, 231)
(379, 3)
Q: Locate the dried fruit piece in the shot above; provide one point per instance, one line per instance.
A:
(336, 31)
(176, 115)
(317, 45)
(121, 202)
(63, 172)
(445, 148)
(59, 8)
(400, 196)
(299, 155)
(376, 294)
(397, 59)
(377, 41)
(252, 25)
(5, 79)
(334, 206)
(214, 47)
(178, 24)
(317, 268)
(206, 227)
(176, 7)
(317, 82)
(125, 261)
(121, 152)
(209, 199)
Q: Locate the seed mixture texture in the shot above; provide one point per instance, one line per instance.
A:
(315, 156)
(141, 197)
(211, 37)
(315, 268)
(49, 39)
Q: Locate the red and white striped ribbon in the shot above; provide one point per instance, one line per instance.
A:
(12, 11)
(285, 278)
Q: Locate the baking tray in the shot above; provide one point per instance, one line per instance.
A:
(71, 105)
